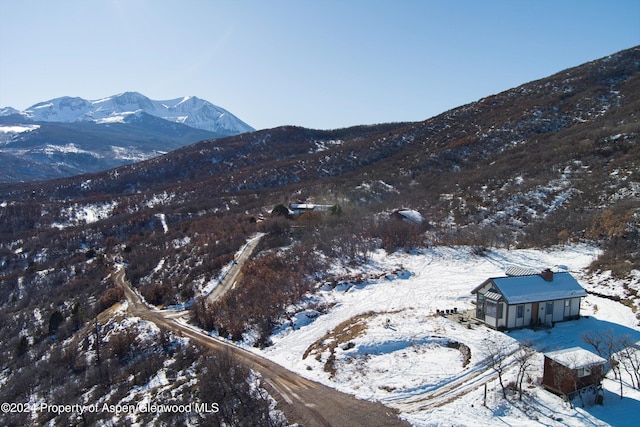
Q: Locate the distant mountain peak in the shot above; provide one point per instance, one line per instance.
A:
(7, 111)
(105, 132)
(188, 110)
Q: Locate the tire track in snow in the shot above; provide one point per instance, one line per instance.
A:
(461, 386)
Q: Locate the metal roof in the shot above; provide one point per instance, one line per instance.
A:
(492, 296)
(520, 271)
(524, 289)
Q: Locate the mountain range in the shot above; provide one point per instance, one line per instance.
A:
(68, 136)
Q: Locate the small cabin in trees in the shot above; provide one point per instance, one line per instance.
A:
(524, 299)
(408, 215)
(570, 370)
(300, 208)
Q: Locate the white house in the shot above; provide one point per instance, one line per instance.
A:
(528, 300)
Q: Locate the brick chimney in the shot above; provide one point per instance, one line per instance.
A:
(547, 275)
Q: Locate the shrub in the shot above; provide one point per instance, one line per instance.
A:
(55, 320)
(111, 296)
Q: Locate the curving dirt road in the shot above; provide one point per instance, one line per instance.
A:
(303, 401)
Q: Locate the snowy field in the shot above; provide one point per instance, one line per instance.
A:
(378, 337)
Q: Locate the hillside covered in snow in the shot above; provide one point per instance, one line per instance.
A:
(380, 336)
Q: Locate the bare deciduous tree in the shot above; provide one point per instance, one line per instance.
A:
(608, 346)
(630, 359)
(497, 354)
(524, 360)
(226, 382)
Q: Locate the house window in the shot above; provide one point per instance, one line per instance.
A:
(549, 308)
(520, 311)
(491, 308)
(500, 310)
(480, 307)
(567, 302)
(584, 372)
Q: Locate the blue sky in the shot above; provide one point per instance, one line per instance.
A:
(319, 64)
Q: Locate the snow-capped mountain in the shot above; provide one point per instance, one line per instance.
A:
(189, 110)
(68, 136)
(7, 111)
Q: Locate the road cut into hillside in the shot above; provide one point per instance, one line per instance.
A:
(303, 401)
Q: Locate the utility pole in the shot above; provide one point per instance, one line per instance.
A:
(484, 401)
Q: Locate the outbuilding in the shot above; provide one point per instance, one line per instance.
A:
(408, 215)
(528, 300)
(300, 208)
(569, 370)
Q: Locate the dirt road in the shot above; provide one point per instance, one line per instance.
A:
(231, 277)
(303, 401)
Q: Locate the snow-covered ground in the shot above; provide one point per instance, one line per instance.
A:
(13, 129)
(380, 339)
(8, 133)
(86, 214)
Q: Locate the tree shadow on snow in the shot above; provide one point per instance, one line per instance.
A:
(616, 411)
(569, 334)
